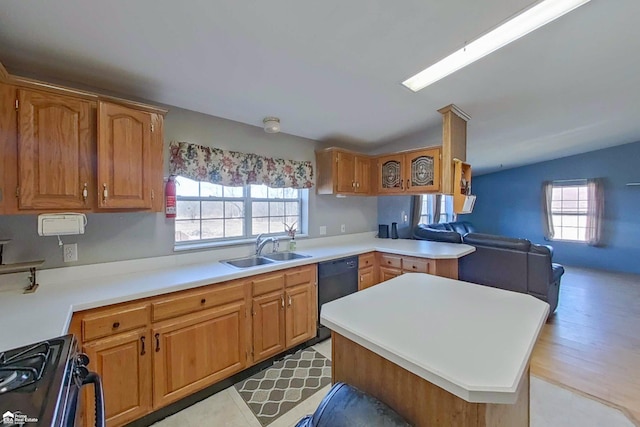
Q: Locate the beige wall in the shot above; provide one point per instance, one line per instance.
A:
(114, 237)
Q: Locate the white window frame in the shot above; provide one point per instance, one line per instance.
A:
(559, 210)
(427, 209)
(247, 201)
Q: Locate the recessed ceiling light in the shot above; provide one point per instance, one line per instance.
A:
(522, 24)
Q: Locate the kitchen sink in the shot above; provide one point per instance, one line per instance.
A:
(251, 261)
(285, 256)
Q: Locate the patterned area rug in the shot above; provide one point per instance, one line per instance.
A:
(274, 391)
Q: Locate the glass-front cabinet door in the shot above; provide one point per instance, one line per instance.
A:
(391, 174)
(423, 171)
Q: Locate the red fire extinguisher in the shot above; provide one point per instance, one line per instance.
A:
(170, 197)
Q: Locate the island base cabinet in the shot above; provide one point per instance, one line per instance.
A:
(300, 324)
(123, 362)
(194, 351)
(418, 401)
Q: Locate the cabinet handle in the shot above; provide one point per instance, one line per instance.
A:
(414, 267)
(143, 351)
(362, 278)
(357, 184)
(408, 186)
(353, 183)
(157, 336)
(402, 184)
(116, 325)
(203, 301)
(282, 301)
(388, 262)
(85, 193)
(105, 193)
(289, 300)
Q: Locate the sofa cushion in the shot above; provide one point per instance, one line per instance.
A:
(462, 227)
(423, 232)
(498, 242)
(556, 271)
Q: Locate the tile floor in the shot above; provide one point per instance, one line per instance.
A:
(551, 406)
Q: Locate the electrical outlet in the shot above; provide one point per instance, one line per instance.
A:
(343, 228)
(70, 252)
(323, 230)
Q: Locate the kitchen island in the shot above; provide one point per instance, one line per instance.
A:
(439, 351)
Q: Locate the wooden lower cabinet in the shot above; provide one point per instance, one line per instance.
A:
(123, 361)
(367, 277)
(268, 325)
(387, 273)
(196, 350)
(299, 319)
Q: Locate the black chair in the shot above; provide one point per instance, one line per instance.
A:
(346, 406)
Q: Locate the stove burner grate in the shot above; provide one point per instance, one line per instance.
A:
(23, 368)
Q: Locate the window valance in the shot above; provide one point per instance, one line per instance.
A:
(237, 169)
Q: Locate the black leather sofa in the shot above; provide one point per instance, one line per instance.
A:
(501, 262)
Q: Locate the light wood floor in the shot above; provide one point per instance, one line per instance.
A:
(592, 344)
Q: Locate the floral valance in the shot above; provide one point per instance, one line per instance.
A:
(237, 169)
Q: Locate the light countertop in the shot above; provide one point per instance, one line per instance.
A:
(29, 318)
(473, 341)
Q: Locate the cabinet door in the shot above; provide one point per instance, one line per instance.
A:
(423, 171)
(8, 149)
(300, 325)
(345, 165)
(123, 362)
(268, 325)
(196, 350)
(387, 273)
(54, 151)
(125, 158)
(390, 174)
(367, 278)
(362, 174)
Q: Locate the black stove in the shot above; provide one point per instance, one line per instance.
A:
(40, 383)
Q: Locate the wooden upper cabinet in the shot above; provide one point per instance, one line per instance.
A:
(391, 174)
(55, 135)
(423, 171)
(411, 172)
(125, 157)
(342, 172)
(8, 149)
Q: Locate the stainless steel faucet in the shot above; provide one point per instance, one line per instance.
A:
(260, 243)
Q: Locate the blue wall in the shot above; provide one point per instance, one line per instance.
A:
(509, 203)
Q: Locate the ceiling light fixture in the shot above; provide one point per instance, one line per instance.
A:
(271, 124)
(522, 24)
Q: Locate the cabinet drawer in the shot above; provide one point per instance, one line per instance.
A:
(197, 299)
(366, 260)
(300, 275)
(267, 283)
(415, 265)
(392, 261)
(112, 321)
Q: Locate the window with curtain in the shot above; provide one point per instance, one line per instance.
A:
(228, 195)
(436, 208)
(210, 212)
(573, 210)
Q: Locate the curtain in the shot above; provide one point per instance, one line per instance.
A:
(595, 211)
(547, 220)
(437, 204)
(237, 169)
(416, 211)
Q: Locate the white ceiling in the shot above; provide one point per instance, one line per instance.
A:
(332, 69)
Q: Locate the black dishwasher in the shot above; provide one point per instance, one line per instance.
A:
(336, 279)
